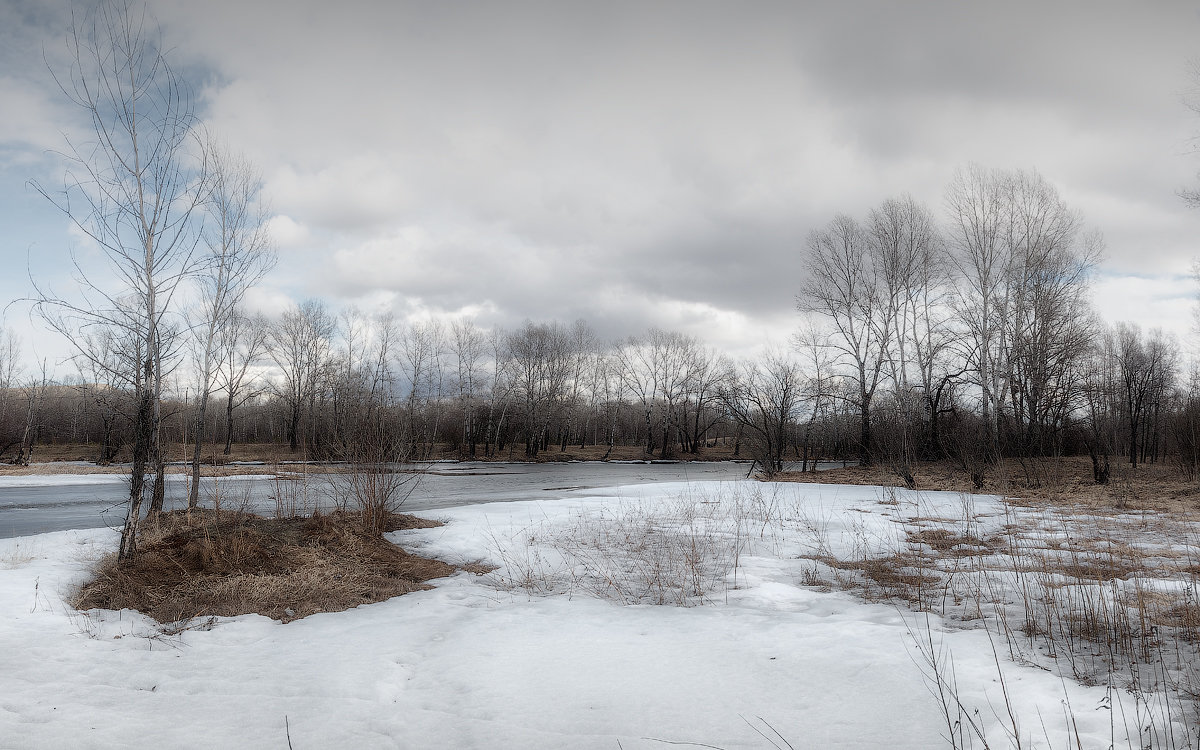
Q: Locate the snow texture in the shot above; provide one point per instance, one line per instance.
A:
(476, 663)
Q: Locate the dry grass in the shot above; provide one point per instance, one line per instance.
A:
(949, 543)
(227, 564)
(1106, 597)
(1038, 482)
(896, 576)
(685, 552)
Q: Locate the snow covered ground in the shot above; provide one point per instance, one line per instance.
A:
(552, 650)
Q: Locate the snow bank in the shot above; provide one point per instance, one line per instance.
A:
(471, 665)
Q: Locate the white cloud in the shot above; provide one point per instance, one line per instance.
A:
(1163, 301)
(288, 233)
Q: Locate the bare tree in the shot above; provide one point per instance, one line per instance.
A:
(606, 390)
(104, 382)
(916, 283)
(764, 397)
(708, 371)
(133, 190)
(501, 393)
(10, 353)
(1024, 264)
(299, 345)
(639, 373)
(976, 203)
(658, 370)
(241, 344)
(34, 393)
(423, 347)
(540, 362)
(581, 347)
(468, 347)
(239, 255)
(1146, 369)
(676, 356)
(847, 287)
(1102, 408)
(1050, 318)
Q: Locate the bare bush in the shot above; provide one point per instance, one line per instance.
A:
(683, 552)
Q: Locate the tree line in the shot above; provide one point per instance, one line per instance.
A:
(312, 381)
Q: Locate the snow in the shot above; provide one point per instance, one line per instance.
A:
(67, 480)
(61, 480)
(479, 662)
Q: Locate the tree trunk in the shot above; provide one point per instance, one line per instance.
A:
(141, 454)
(294, 428)
(1133, 440)
(229, 424)
(106, 450)
(194, 489)
(159, 493)
(649, 433)
(25, 452)
(612, 438)
(1100, 467)
(864, 440)
(934, 449)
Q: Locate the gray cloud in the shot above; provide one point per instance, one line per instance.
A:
(660, 164)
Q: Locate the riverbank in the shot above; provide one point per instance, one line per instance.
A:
(1046, 481)
(260, 458)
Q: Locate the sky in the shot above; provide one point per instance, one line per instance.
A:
(634, 164)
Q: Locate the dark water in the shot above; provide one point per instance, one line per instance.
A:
(100, 503)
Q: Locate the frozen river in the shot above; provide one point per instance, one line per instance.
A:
(33, 505)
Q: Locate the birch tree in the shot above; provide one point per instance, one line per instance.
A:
(1023, 264)
(238, 255)
(133, 189)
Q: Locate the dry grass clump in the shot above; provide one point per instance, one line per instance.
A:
(227, 564)
(898, 576)
(1096, 568)
(949, 543)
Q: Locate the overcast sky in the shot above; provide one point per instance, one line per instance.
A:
(637, 164)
